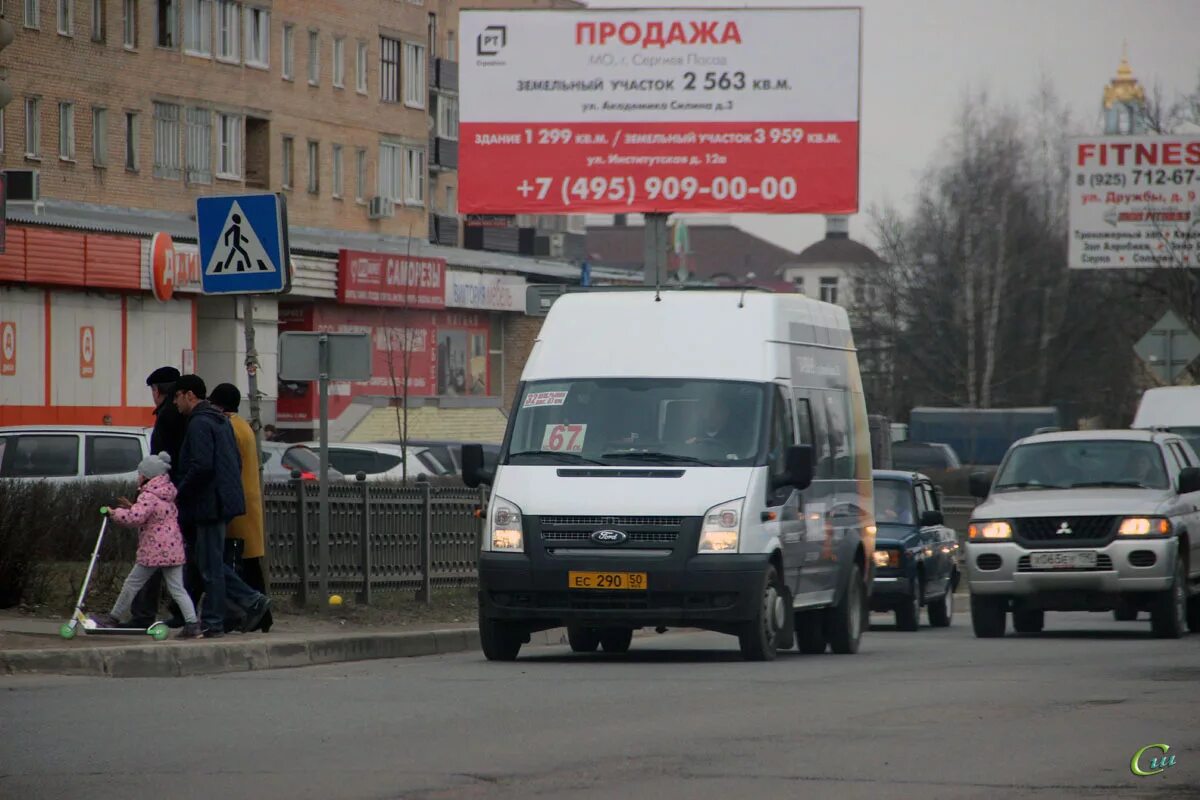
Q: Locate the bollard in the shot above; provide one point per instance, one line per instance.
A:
(301, 538)
(364, 594)
(425, 595)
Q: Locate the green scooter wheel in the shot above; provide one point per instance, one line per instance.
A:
(66, 631)
(159, 631)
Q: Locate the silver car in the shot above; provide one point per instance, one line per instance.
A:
(1088, 521)
(64, 453)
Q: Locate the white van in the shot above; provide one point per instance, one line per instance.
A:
(63, 453)
(698, 461)
(1172, 408)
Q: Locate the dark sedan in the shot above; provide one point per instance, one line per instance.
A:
(916, 555)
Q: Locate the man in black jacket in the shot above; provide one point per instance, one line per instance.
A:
(167, 436)
(209, 480)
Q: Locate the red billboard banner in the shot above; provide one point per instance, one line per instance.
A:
(383, 279)
(660, 110)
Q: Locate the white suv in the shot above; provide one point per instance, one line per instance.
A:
(1088, 521)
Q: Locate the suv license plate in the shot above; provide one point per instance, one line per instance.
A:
(1077, 559)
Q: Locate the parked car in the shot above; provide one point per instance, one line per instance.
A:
(67, 453)
(924, 457)
(1088, 521)
(382, 462)
(449, 454)
(280, 458)
(916, 555)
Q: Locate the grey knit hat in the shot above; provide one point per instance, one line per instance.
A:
(154, 465)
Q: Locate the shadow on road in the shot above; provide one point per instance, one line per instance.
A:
(639, 656)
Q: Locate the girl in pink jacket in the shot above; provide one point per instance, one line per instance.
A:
(160, 545)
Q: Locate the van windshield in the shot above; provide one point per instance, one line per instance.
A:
(639, 421)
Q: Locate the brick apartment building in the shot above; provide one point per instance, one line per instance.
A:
(125, 111)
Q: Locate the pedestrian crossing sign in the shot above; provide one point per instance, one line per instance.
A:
(243, 244)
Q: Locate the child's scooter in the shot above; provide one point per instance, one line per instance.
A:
(80, 622)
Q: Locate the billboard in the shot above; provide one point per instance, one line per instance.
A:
(660, 110)
(1134, 202)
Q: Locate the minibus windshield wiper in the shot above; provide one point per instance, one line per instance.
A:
(568, 458)
(664, 458)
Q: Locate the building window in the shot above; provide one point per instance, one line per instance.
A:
(414, 75)
(829, 290)
(389, 70)
(33, 127)
(451, 46)
(131, 24)
(339, 184)
(360, 174)
(33, 13)
(360, 68)
(66, 131)
(314, 168)
(414, 177)
(198, 144)
(197, 27)
(99, 20)
(289, 161)
(166, 141)
(391, 172)
(798, 282)
(289, 52)
(229, 147)
(66, 17)
(314, 57)
(1, 130)
(447, 117)
(258, 37)
(100, 137)
(168, 24)
(131, 141)
(228, 15)
(339, 63)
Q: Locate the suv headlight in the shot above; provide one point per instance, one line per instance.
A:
(1144, 526)
(722, 527)
(989, 530)
(505, 532)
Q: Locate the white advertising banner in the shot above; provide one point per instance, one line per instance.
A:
(667, 109)
(485, 292)
(1134, 202)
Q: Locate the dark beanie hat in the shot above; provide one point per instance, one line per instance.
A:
(162, 375)
(193, 384)
(226, 396)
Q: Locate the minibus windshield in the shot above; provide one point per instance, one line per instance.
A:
(639, 422)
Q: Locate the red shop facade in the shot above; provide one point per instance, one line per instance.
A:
(401, 302)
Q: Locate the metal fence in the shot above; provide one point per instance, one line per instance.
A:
(380, 537)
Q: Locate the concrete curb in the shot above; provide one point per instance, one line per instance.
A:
(209, 658)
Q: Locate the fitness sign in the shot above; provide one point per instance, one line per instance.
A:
(660, 110)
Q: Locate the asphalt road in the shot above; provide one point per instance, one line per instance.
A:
(935, 714)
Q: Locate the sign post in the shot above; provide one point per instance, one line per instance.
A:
(321, 356)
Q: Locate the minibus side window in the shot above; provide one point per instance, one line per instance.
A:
(804, 424)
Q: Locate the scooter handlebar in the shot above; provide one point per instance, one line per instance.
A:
(104, 511)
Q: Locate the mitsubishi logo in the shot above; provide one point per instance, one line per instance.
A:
(1064, 529)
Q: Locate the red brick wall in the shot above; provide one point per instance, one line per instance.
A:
(520, 332)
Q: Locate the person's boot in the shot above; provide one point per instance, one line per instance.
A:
(190, 630)
(255, 613)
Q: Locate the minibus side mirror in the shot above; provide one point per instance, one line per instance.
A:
(981, 485)
(474, 472)
(799, 462)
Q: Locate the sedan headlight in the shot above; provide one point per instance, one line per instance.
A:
(994, 529)
(506, 533)
(1144, 526)
(722, 528)
(886, 558)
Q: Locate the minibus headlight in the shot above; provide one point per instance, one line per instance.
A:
(505, 531)
(722, 528)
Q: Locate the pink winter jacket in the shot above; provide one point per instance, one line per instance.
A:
(160, 542)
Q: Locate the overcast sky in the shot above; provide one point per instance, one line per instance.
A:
(921, 56)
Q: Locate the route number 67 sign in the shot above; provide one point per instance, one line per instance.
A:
(564, 438)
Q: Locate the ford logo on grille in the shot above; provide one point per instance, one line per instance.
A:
(609, 537)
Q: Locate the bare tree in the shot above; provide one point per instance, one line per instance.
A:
(401, 383)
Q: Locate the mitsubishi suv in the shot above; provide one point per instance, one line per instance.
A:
(1087, 521)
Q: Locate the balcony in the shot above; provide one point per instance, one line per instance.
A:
(443, 74)
(443, 153)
